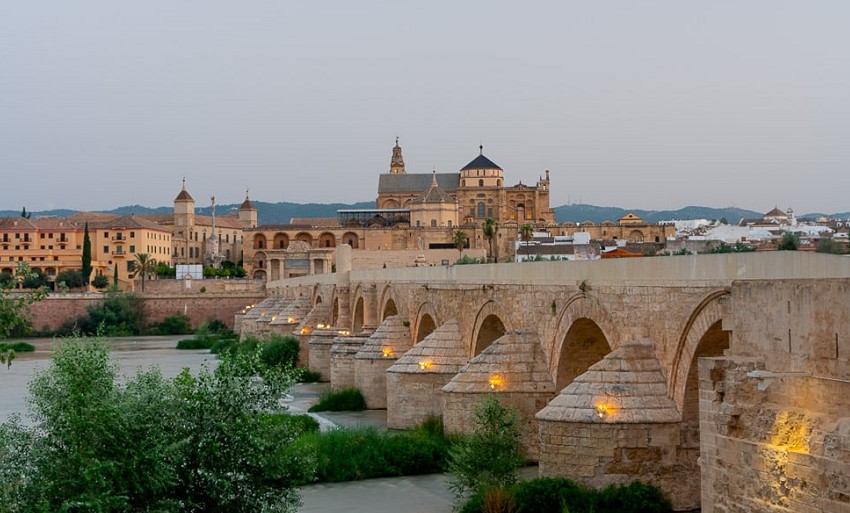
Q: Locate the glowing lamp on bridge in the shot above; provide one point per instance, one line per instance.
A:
(344, 333)
(305, 331)
(603, 410)
(496, 382)
(290, 320)
(425, 364)
(321, 326)
(387, 352)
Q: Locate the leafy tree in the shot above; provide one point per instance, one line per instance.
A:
(86, 267)
(491, 230)
(789, 242)
(35, 279)
(163, 269)
(118, 315)
(723, 220)
(144, 267)
(25, 214)
(459, 239)
(827, 245)
(115, 277)
(15, 315)
(104, 444)
(490, 457)
(100, 281)
(73, 279)
(7, 280)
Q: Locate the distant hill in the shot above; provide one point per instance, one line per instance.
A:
(581, 213)
(281, 213)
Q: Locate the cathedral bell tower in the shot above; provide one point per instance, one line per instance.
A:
(397, 162)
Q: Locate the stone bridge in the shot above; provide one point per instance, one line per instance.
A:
(726, 370)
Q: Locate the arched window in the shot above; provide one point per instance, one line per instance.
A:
(481, 208)
(480, 183)
(433, 223)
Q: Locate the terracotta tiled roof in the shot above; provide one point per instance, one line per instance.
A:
(17, 223)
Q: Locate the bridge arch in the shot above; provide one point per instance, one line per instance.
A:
(388, 303)
(702, 336)
(426, 322)
(584, 335)
(357, 309)
(490, 324)
(317, 295)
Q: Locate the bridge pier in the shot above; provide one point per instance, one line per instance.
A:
(514, 367)
(389, 342)
(415, 381)
(616, 424)
(344, 349)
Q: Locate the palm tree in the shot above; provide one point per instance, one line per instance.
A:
(490, 229)
(459, 240)
(526, 231)
(144, 265)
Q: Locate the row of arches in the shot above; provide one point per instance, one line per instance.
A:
(585, 334)
(323, 240)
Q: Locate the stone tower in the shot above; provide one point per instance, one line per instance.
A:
(184, 210)
(247, 213)
(397, 162)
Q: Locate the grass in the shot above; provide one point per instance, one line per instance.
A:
(349, 399)
(349, 454)
(18, 347)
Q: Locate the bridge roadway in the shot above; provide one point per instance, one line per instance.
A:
(601, 360)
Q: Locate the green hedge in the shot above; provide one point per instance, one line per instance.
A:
(554, 494)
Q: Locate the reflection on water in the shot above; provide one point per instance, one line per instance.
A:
(130, 353)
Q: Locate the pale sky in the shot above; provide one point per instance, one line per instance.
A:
(637, 104)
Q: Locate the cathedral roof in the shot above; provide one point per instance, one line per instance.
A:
(416, 182)
(776, 213)
(434, 194)
(481, 162)
(247, 205)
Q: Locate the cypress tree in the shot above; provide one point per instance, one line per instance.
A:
(86, 255)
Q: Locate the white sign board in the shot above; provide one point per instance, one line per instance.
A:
(190, 272)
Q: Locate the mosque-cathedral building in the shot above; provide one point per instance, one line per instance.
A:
(414, 222)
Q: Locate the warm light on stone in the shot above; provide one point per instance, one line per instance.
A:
(425, 364)
(496, 382)
(387, 352)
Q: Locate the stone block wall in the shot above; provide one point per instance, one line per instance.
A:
(459, 409)
(320, 353)
(342, 369)
(370, 377)
(785, 448)
(413, 397)
(54, 310)
(599, 454)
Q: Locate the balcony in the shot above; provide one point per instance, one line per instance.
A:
(119, 253)
(119, 239)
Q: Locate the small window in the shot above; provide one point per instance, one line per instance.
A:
(480, 183)
(132, 248)
(433, 223)
(106, 249)
(132, 235)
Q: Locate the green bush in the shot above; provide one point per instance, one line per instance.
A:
(73, 279)
(305, 375)
(348, 454)
(491, 456)
(544, 495)
(100, 282)
(177, 324)
(636, 497)
(552, 494)
(349, 399)
(281, 351)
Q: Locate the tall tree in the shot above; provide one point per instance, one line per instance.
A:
(526, 231)
(459, 240)
(24, 213)
(491, 229)
(144, 266)
(790, 242)
(86, 270)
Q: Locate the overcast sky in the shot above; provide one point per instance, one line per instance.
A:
(639, 104)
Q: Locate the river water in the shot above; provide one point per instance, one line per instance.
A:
(130, 353)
